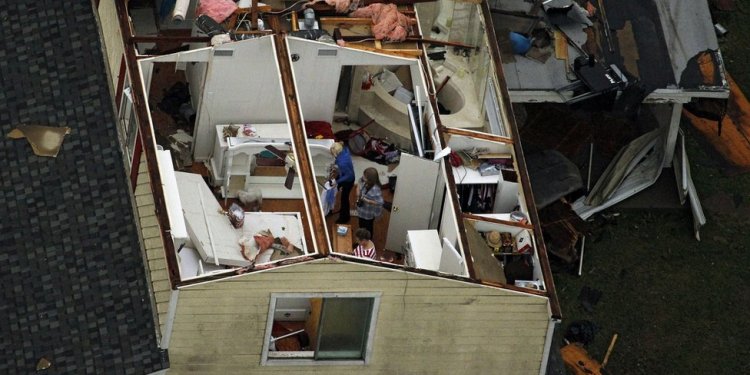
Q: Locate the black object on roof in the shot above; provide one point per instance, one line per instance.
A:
(72, 276)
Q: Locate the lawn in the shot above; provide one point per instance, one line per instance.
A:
(680, 306)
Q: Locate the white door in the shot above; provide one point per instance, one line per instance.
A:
(412, 201)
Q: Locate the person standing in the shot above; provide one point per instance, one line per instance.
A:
(345, 179)
(369, 199)
(365, 247)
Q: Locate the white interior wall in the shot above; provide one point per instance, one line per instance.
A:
(317, 77)
(242, 88)
(195, 72)
(448, 224)
(506, 197)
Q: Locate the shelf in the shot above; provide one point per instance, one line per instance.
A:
(463, 175)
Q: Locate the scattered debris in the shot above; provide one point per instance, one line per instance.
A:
(589, 297)
(581, 331)
(609, 350)
(562, 228)
(578, 361)
(43, 364)
(181, 144)
(733, 142)
(44, 140)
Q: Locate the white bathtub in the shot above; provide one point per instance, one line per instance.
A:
(459, 94)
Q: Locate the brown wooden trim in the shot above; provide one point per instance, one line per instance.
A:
(478, 135)
(120, 84)
(137, 151)
(356, 260)
(299, 138)
(247, 270)
(169, 38)
(540, 293)
(521, 163)
(149, 149)
(498, 221)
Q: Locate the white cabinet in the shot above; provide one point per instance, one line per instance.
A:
(423, 249)
(233, 159)
(270, 133)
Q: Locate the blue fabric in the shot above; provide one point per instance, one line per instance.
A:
(519, 43)
(370, 211)
(329, 199)
(346, 168)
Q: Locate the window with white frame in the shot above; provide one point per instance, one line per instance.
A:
(320, 328)
(128, 124)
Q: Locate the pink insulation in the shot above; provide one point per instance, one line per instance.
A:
(389, 23)
(218, 10)
(341, 5)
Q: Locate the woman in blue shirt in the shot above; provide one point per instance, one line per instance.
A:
(369, 199)
(345, 180)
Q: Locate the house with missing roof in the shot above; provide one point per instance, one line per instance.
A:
(437, 297)
(460, 282)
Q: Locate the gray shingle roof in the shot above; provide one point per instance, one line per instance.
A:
(72, 279)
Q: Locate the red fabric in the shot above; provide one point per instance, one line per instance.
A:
(218, 10)
(318, 130)
(263, 242)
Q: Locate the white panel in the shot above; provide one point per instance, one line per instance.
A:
(242, 88)
(317, 77)
(413, 175)
(178, 230)
(448, 225)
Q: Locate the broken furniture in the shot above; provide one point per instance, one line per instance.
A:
(659, 44)
(213, 236)
(233, 164)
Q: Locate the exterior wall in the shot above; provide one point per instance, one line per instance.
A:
(151, 234)
(112, 38)
(426, 325)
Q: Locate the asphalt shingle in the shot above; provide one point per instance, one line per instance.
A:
(72, 278)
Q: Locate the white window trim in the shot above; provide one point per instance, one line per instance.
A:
(266, 361)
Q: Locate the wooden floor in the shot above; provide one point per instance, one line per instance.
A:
(380, 227)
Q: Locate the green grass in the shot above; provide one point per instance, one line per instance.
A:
(680, 306)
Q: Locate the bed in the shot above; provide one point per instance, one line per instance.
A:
(217, 241)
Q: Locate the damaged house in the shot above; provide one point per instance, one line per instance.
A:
(230, 116)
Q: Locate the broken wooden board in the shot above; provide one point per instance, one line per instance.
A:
(734, 142)
(561, 46)
(628, 48)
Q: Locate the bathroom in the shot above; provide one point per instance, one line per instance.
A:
(460, 75)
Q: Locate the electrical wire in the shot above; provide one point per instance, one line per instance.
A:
(289, 9)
